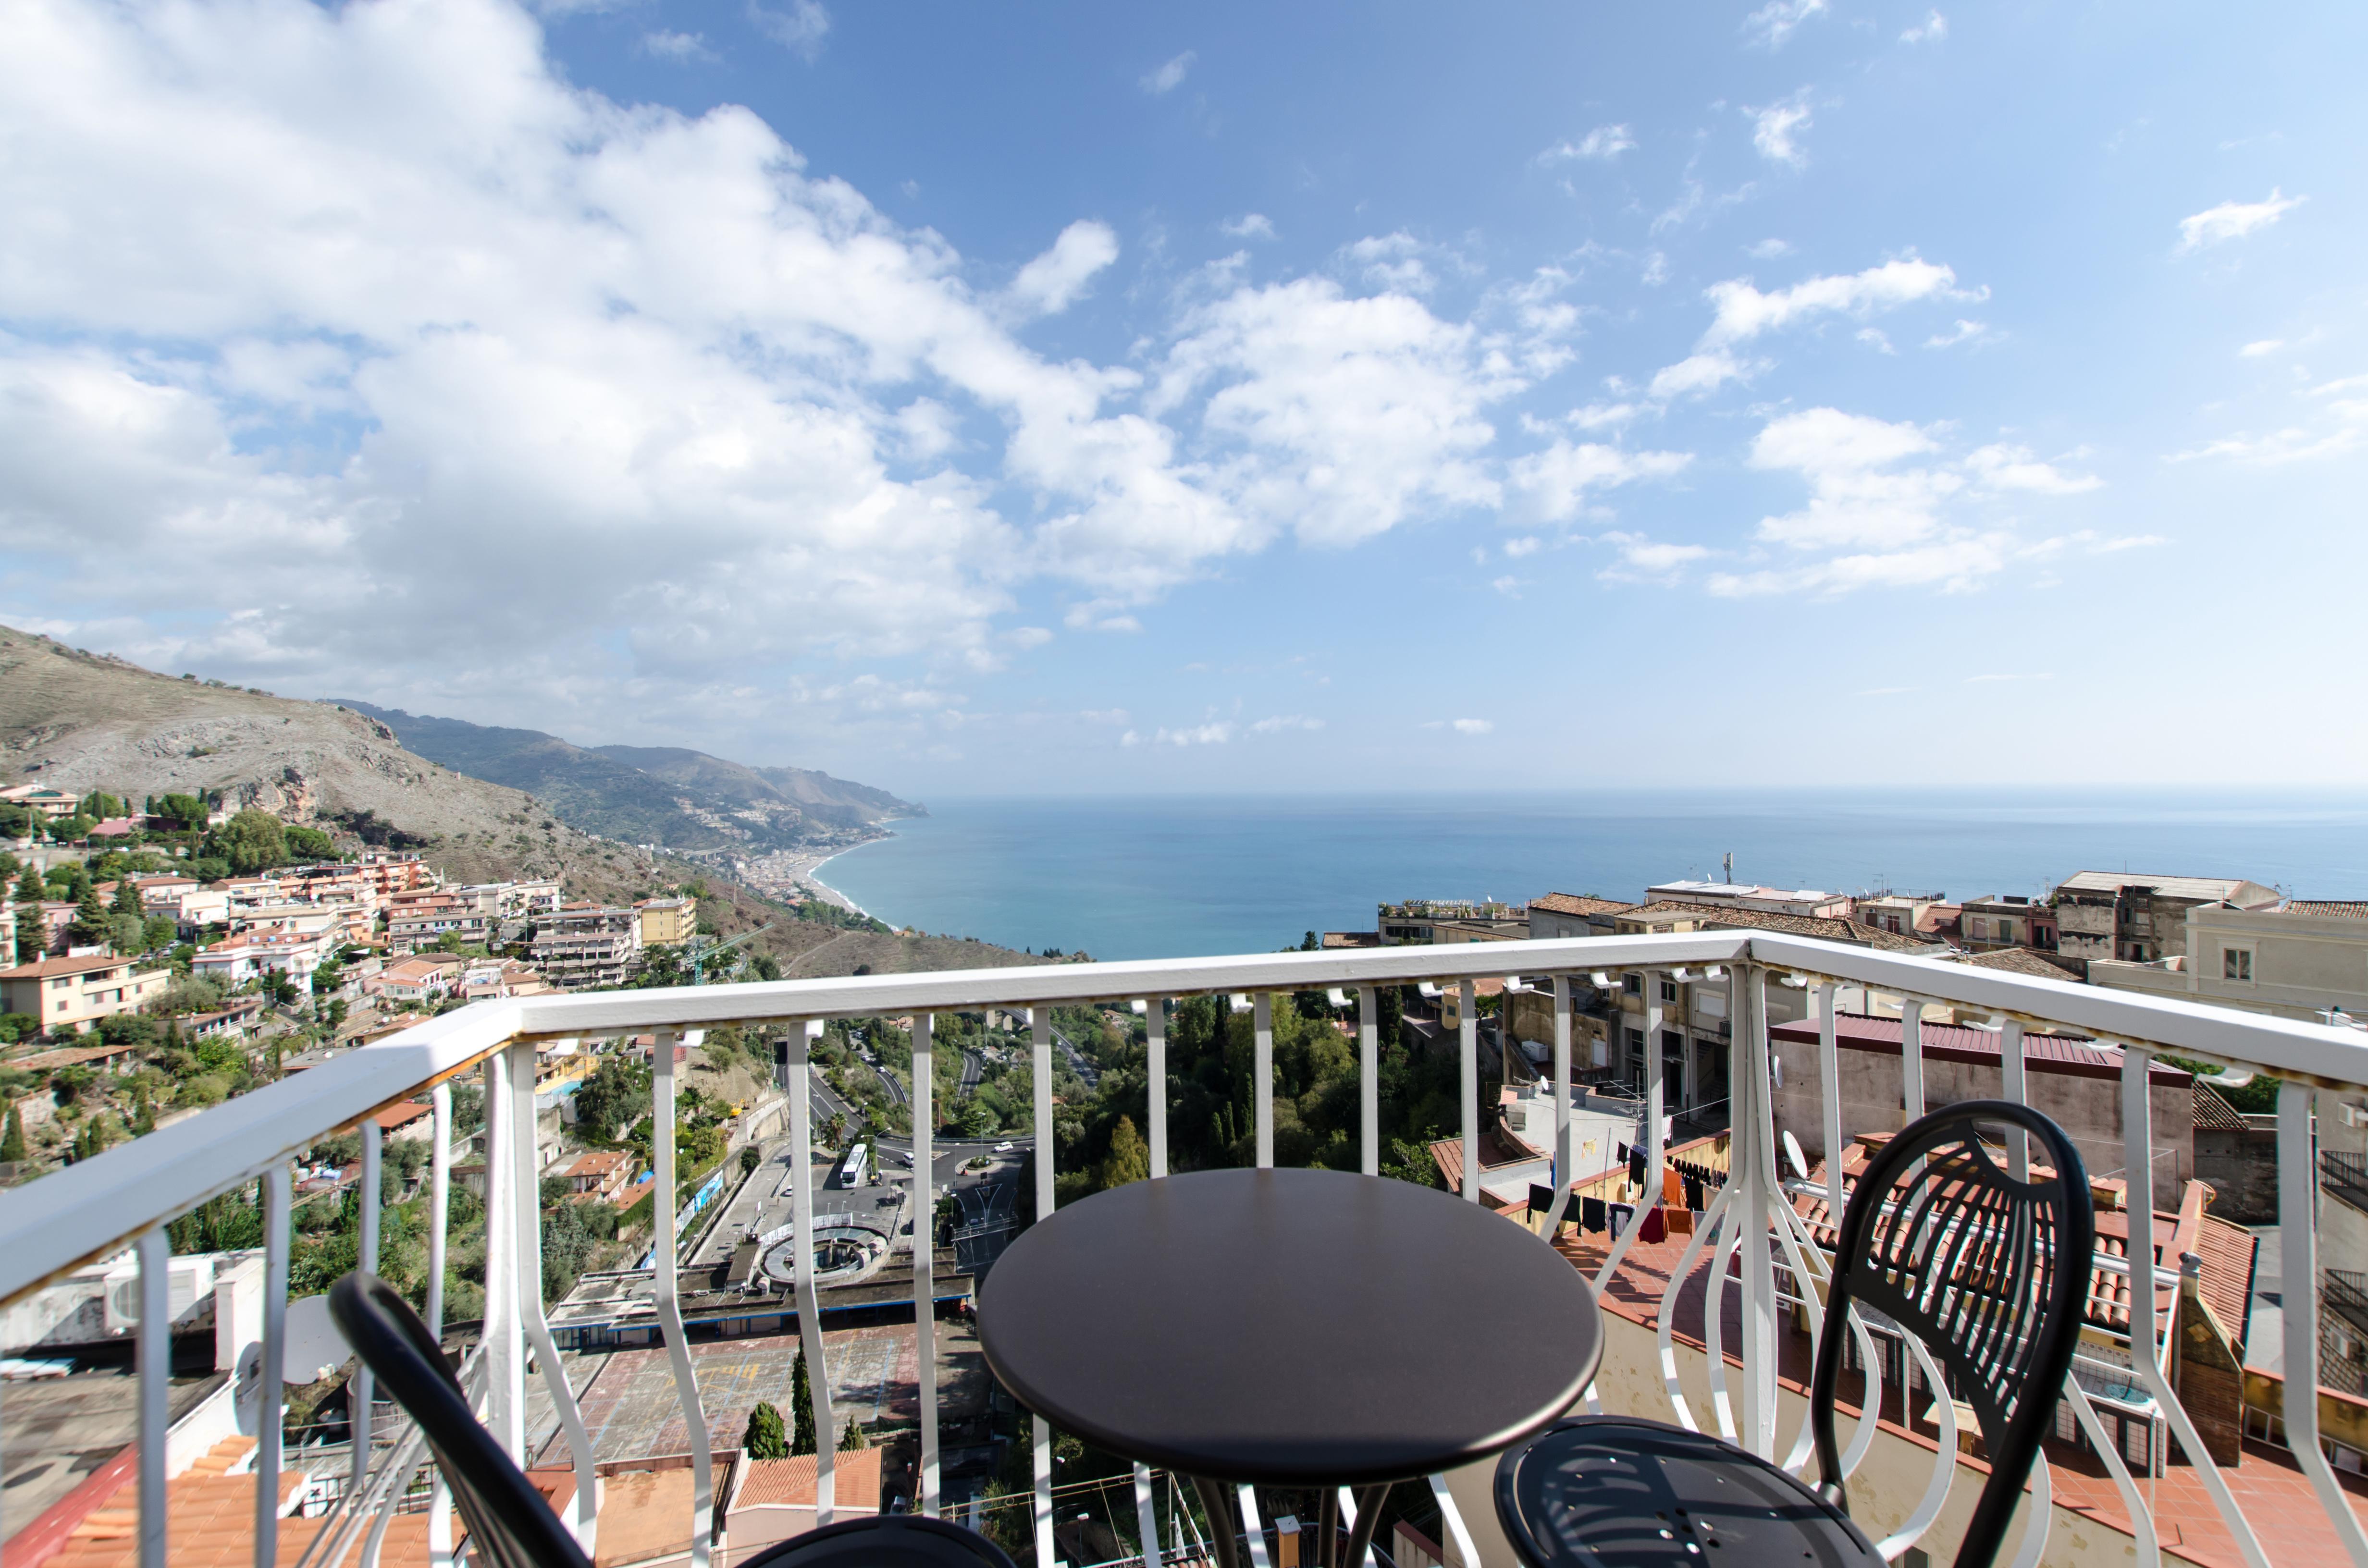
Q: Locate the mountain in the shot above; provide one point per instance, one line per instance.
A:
(80, 721)
(680, 799)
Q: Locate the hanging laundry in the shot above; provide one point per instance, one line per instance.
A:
(1591, 1215)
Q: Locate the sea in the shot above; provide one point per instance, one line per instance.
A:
(1190, 876)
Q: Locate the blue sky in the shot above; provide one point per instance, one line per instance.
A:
(1086, 398)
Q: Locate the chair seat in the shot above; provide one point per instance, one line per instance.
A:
(885, 1540)
(1617, 1491)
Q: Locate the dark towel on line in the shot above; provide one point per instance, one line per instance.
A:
(1621, 1214)
(1591, 1215)
(1636, 1167)
(1694, 1193)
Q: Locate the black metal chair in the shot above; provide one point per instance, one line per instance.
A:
(1988, 1272)
(509, 1524)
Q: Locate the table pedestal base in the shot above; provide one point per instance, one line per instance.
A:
(1224, 1525)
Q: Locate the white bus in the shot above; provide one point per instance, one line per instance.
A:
(851, 1171)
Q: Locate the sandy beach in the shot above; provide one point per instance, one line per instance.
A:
(799, 877)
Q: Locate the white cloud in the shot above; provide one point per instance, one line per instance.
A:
(1210, 735)
(1555, 482)
(801, 27)
(1964, 331)
(1462, 726)
(1249, 226)
(1508, 585)
(1769, 249)
(2014, 468)
(1774, 129)
(1034, 637)
(1393, 262)
(1744, 312)
(2234, 219)
(1528, 544)
(1603, 416)
(1604, 144)
(1646, 560)
(1774, 23)
(2261, 347)
(1047, 285)
(1168, 78)
(1933, 28)
(2339, 425)
(1352, 414)
(1854, 498)
(681, 48)
(1284, 722)
(1698, 374)
(1873, 336)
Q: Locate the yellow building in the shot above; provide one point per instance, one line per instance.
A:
(667, 922)
(73, 994)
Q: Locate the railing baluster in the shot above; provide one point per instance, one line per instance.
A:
(2298, 1206)
(439, 1198)
(276, 1209)
(924, 1253)
(802, 1261)
(1262, 1074)
(1566, 1156)
(154, 1353)
(534, 1325)
(1830, 1084)
(2011, 1077)
(1468, 1082)
(1146, 1521)
(669, 1305)
(1747, 1008)
(1039, 1027)
(1155, 1027)
(504, 1344)
(1911, 1059)
(364, 1387)
(1368, 1073)
(2137, 1154)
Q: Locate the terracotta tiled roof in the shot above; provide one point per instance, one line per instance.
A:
(1579, 903)
(2214, 1114)
(48, 968)
(790, 1482)
(1823, 927)
(2344, 908)
(2020, 960)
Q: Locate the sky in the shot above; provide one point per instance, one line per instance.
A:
(1077, 397)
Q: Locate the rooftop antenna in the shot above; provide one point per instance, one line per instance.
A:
(1726, 869)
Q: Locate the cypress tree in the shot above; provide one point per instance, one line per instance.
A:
(765, 1437)
(801, 1396)
(12, 1140)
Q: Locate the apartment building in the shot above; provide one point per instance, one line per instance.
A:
(667, 922)
(2304, 959)
(1907, 913)
(584, 945)
(250, 955)
(1422, 921)
(1556, 914)
(2006, 920)
(417, 920)
(2117, 915)
(70, 994)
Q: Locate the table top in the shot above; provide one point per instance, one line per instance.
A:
(1288, 1327)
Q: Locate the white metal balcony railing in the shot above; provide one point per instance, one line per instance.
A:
(125, 1197)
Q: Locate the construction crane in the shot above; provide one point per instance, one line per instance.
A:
(702, 951)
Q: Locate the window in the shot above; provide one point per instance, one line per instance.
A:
(2237, 963)
(2006, 930)
(1632, 983)
(1981, 927)
(1668, 990)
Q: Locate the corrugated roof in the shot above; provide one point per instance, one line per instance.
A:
(2214, 1114)
(790, 1482)
(1955, 1042)
(1579, 903)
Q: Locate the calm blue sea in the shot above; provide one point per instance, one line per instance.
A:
(1149, 877)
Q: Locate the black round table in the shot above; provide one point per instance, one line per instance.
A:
(1300, 1328)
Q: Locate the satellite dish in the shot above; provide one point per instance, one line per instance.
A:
(1793, 1153)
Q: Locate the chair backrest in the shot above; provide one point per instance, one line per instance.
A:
(511, 1525)
(1990, 1273)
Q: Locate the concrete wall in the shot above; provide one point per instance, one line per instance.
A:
(2090, 1110)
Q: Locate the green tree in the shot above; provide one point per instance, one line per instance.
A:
(1130, 1159)
(92, 923)
(252, 841)
(188, 810)
(12, 1140)
(765, 1437)
(157, 932)
(750, 1158)
(32, 934)
(30, 889)
(834, 1129)
(126, 896)
(853, 1442)
(802, 1397)
(309, 842)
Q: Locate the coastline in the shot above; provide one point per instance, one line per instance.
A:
(795, 878)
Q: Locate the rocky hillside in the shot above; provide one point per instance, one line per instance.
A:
(81, 722)
(678, 800)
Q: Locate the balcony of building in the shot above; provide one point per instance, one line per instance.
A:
(2193, 1428)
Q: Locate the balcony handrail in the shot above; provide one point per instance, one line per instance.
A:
(96, 1208)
